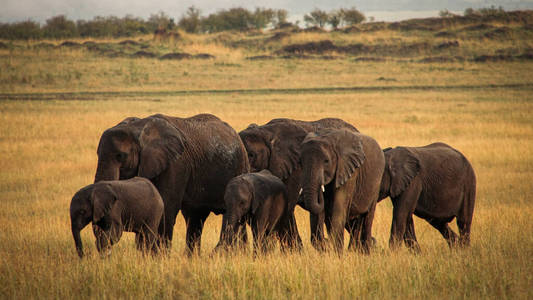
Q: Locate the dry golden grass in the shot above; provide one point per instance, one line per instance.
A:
(48, 151)
(76, 70)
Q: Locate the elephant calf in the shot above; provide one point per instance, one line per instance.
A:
(132, 205)
(257, 198)
(436, 183)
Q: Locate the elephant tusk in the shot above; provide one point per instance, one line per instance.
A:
(300, 192)
(323, 189)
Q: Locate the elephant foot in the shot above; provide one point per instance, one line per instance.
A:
(413, 246)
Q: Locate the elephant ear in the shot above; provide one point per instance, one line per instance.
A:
(285, 149)
(161, 144)
(103, 197)
(350, 155)
(258, 190)
(404, 165)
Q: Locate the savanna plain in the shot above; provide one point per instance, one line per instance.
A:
(56, 102)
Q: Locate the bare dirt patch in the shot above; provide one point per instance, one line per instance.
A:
(261, 57)
(441, 59)
(499, 33)
(311, 47)
(143, 54)
(70, 44)
(447, 45)
(128, 42)
(183, 55)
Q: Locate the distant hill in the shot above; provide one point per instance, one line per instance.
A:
(301, 6)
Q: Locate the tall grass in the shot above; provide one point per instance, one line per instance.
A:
(48, 151)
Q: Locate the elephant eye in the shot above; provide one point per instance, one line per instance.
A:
(250, 155)
(326, 161)
(121, 156)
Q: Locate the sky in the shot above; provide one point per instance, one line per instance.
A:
(381, 10)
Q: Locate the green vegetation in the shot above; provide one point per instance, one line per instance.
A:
(234, 19)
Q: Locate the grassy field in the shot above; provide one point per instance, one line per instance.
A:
(48, 152)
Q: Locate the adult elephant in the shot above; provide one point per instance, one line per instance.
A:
(342, 172)
(436, 183)
(189, 160)
(276, 146)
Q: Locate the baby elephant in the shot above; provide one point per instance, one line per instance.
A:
(260, 199)
(436, 183)
(132, 205)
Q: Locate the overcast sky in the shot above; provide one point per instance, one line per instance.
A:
(388, 10)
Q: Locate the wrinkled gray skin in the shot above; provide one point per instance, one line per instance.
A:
(276, 146)
(132, 205)
(342, 172)
(436, 183)
(259, 199)
(189, 160)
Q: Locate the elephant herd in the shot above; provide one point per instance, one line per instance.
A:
(150, 169)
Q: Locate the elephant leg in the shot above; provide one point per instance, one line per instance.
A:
(147, 240)
(464, 218)
(242, 238)
(354, 227)
(409, 236)
(403, 207)
(103, 243)
(338, 222)
(195, 226)
(166, 227)
(259, 235)
(288, 233)
(464, 231)
(294, 241)
(317, 230)
(291, 237)
(139, 241)
(367, 241)
(445, 230)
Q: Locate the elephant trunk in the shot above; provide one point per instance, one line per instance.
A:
(229, 230)
(313, 193)
(77, 240)
(106, 171)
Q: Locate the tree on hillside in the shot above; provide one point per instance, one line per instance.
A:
(446, 14)
(112, 26)
(336, 18)
(242, 19)
(60, 27)
(191, 21)
(20, 30)
(352, 16)
(485, 12)
(265, 17)
(160, 20)
(316, 18)
(280, 17)
(232, 19)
